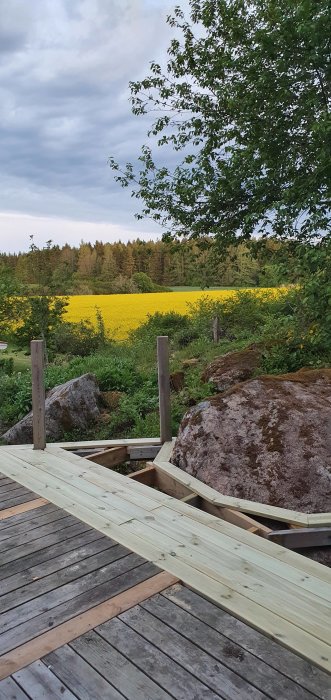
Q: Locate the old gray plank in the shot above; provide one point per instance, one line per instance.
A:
(79, 676)
(76, 539)
(172, 677)
(13, 486)
(11, 502)
(24, 549)
(211, 672)
(288, 663)
(53, 581)
(17, 581)
(21, 518)
(34, 522)
(36, 533)
(9, 690)
(117, 669)
(41, 684)
(230, 654)
(60, 593)
(124, 577)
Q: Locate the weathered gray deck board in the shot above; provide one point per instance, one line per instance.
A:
(36, 533)
(80, 677)
(41, 683)
(122, 577)
(7, 488)
(21, 518)
(9, 690)
(231, 654)
(31, 524)
(50, 551)
(264, 649)
(54, 565)
(218, 678)
(43, 542)
(118, 670)
(11, 502)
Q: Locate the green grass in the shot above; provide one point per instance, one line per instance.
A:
(21, 360)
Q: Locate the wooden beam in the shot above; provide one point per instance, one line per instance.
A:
(144, 476)
(144, 452)
(38, 394)
(169, 485)
(164, 387)
(192, 500)
(68, 631)
(22, 508)
(235, 517)
(109, 458)
(301, 538)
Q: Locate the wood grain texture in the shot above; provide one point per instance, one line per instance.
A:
(38, 394)
(22, 508)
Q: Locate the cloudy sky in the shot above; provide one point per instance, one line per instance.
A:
(64, 72)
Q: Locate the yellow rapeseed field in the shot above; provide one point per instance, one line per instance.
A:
(124, 312)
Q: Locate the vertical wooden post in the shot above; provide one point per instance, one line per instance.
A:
(38, 394)
(164, 388)
(216, 329)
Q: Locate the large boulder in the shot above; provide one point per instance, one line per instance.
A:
(266, 440)
(70, 406)
(232, 368)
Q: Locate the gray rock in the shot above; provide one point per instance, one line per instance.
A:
(70, 406)
(266, 440)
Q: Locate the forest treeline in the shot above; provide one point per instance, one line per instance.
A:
(106, 268)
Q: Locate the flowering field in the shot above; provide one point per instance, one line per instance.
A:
(124, 312)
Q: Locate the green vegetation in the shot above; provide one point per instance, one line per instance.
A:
(285, 326)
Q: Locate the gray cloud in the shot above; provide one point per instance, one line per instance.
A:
(64, 103)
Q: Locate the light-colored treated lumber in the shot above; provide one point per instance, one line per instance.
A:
(234, 517)
(68, 631)
(319, 520)
(22, 508)
(192, 500)
(95, 444)
(38, 394)
(219, 499)
(164, 387)
(165, 452)
(109, 458)
(144, 476)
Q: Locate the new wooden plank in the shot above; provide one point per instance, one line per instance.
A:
(319, 520)
(117, 668)
(294, 605)
(69, 630)
(215, 675)
(122, 577)
(80, 537)
(232, 655)
(171, 676)
(262, 648)
(69, 573)
(22, 508)
(144, 476)
(59, 590)
(80, 677)
(219, 499)
(109, 458)
(42, 684)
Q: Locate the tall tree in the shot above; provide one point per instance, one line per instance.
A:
(244, 100)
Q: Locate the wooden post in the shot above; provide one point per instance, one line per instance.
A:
(164, 388)
(38, 394)
(216, 329)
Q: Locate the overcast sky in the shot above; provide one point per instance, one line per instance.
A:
(64, 72)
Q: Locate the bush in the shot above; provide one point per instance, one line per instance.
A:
(160, 324)
(6, 365)
(78, 338)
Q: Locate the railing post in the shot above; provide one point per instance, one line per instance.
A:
(38, 394)
(164, 388)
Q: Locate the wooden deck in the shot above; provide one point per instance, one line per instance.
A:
(276, 591)
(84, 618)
